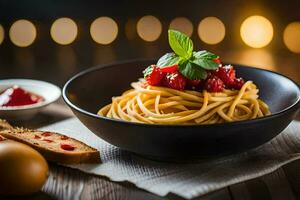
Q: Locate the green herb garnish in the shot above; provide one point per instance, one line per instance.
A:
(192, 64)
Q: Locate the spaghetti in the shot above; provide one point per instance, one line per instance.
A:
(162, 105)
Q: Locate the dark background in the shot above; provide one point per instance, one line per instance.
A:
(47, 60)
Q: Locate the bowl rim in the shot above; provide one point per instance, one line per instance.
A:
(94, 115)
(31, 106)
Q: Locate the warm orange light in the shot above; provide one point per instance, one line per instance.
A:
(256, 31)
(22, 33)
(149, 28)
(254, 57)
(211, 30)
(291, 37)
(182, 24)
(1, 34)
(104, 30)
(64, 31)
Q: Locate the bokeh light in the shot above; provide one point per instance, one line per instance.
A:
(256, 31)
(291, 37)
(1, 34)
(211, 30)
(104, 30)
(22, 33)
(182, 24)
(149, 28)
(64, 31)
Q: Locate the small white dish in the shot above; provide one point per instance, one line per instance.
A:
(48, 91)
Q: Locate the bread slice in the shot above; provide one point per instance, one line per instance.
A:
(2, 138)
(54, 146)
(4, 125)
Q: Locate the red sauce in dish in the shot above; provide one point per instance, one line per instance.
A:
(16, 96)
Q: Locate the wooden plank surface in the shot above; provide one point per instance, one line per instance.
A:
(292, 173)
(65, 183)
(278, 185)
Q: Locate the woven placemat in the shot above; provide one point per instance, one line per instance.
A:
(187, 180)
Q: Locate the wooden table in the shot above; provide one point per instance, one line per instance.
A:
(66, 183)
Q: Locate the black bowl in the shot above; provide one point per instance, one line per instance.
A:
(89, 90)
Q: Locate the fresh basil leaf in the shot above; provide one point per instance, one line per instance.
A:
(181, 44)
(148, 71)
(205, 54)
(168, 59)
(205, 59)
(206, 63)
(191, 71)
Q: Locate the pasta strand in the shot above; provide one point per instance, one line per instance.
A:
(161, 105)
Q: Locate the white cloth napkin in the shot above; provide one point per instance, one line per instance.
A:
(187, 180)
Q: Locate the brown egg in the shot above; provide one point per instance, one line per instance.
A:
(22, 169)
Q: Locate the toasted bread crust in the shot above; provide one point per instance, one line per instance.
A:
(54, 154)
(4, 125)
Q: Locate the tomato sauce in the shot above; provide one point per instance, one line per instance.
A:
(16, 96)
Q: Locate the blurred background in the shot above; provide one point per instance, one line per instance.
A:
(52, 40)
